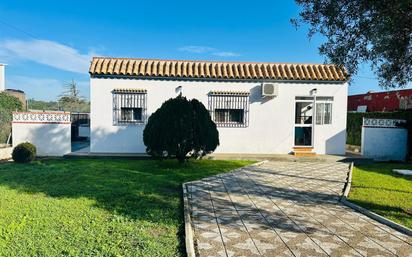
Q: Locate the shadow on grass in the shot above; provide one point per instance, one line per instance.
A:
(385, 210)
(137, 189)
(385, 168)
(382, 189)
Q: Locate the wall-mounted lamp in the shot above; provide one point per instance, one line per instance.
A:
(178, 90)
(314, 91)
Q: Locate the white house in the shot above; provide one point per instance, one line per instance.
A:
(259, 108)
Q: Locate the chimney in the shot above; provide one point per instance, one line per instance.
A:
(2, 77)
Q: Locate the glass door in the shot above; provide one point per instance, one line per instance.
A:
(304, 121)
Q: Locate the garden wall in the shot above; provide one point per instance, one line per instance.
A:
(384, 139)
(354, 123)
(50, 132)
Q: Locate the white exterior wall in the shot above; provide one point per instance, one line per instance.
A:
(49, 132)
(271, 120)
(2, 78)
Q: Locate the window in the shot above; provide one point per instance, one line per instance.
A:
(229, 115)
(324, 110)
(129, 106)
(229, 109)
(129, 115)
(304, 112)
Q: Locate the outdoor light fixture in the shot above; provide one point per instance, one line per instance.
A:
(314, 91)
(178, 90)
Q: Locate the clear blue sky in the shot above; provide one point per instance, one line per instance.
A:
(47, 43)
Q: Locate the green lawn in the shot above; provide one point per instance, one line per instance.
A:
(97, 207)
(378, 189)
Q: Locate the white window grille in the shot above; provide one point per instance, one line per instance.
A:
(229, 109)
(129, 106)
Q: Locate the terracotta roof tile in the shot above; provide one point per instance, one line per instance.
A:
(129, 90)
(215, 70)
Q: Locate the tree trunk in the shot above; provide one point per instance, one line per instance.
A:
(181, 154)
(181, 158)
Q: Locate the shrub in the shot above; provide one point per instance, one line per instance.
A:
(180, 127)
(24, 152)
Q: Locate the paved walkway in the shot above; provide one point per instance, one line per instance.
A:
(285, 209)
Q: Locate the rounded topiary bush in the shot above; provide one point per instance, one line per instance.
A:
(24, 152)
(180, 128)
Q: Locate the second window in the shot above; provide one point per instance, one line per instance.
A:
(229, 109)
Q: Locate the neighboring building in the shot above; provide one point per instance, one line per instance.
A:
(14, 92)
(19, 94)
(302, 105)
(381, 102)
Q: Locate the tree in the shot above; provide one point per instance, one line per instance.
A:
(376, 32)
(71, 100)
(72, 91)
(180, 127)
(34, 104)
(8, 104)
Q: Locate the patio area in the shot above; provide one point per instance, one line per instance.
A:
(284, 209)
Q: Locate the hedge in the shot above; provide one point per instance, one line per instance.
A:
(354, 123)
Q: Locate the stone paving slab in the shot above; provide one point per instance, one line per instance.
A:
(285, 209)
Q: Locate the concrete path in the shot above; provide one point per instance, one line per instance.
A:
(285, 209)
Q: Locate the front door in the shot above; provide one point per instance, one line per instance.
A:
(304, 109)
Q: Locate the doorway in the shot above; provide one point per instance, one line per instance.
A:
(304, 110)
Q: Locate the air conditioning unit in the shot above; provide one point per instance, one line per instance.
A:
(269, 89)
